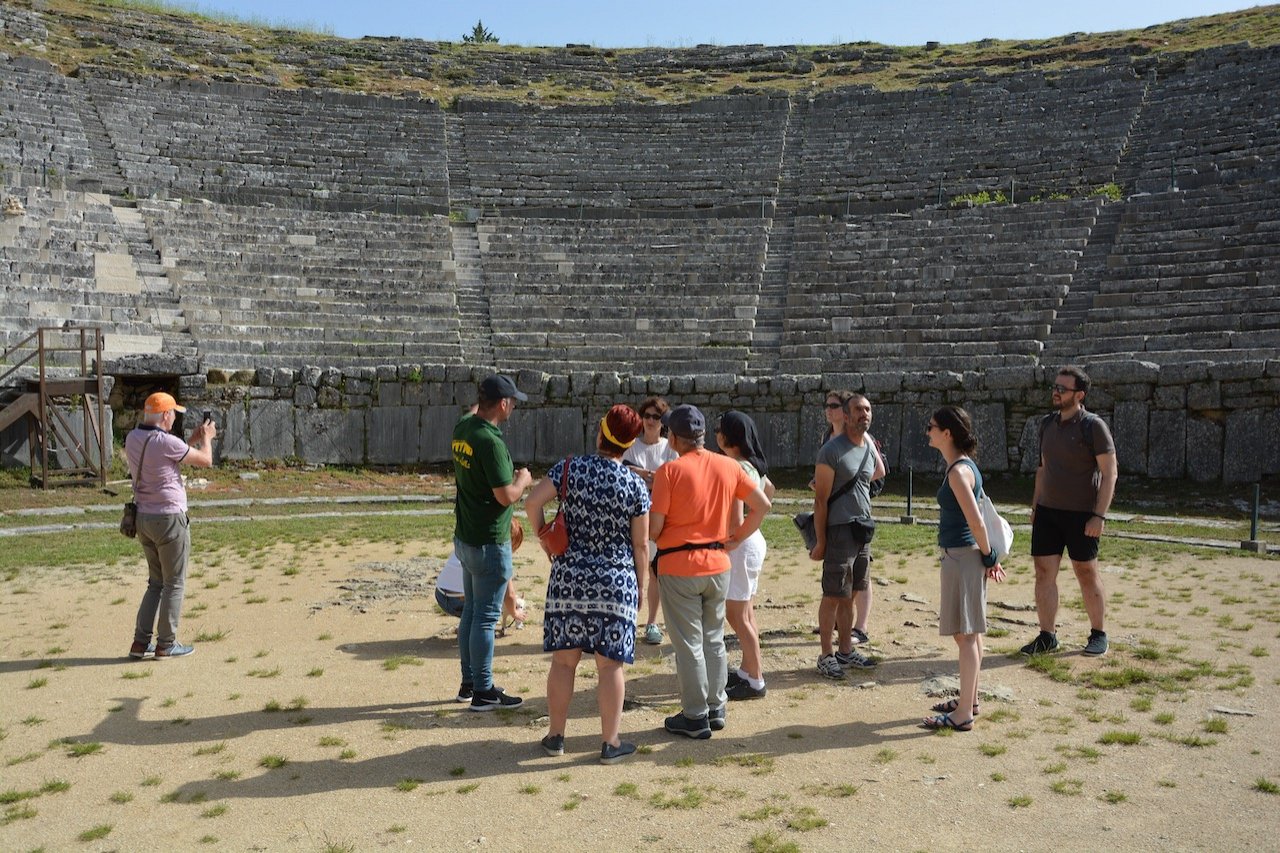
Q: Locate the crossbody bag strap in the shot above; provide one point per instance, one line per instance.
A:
(849, 483)
(142, 457)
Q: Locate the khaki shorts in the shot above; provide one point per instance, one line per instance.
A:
(846, 566)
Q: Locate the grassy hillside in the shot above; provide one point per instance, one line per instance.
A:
(157, 39)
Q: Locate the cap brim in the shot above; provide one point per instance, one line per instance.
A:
(177, 408)
(521, 396)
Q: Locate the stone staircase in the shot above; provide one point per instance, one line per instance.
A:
(473, 297)
(158, 301)
(766, 341)
(103, 153)
(1086, 281)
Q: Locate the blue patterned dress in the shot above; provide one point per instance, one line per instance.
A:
(592, 595)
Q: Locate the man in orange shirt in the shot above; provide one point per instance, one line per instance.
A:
(689, 521)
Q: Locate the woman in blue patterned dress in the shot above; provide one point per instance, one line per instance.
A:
(593, 592)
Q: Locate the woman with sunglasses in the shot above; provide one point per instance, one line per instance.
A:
(968, 561)
(648, 454)
(737, 437)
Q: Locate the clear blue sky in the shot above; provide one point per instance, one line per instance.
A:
(608, 23)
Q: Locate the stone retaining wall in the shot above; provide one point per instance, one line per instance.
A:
(1200, 421)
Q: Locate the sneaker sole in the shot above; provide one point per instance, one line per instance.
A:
(1090, 654)
(552, 753)
(172, 657)
(496, 706)
(696, 734)
(615, 759)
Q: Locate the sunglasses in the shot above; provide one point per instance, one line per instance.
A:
(930, 428)
(835, 405)
(1063, 389)
(651, 416)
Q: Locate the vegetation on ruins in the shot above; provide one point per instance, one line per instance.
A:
(184, 44)
(479, 35)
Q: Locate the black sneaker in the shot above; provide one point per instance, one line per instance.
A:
(465, 692)
(610, 754)
(860, 637)
(853, 660)
(744, 690)
(717, 717)
(698, 729)
(1042, 644)
(732, 680)
(553, 745)
(1097, 645)
(492, 700)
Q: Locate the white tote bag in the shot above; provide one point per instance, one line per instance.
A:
(999, 533)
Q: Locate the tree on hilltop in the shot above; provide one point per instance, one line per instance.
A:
(479, 35)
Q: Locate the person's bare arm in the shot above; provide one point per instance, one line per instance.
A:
(824, 477)
(1106, 491)
(200, 454)
(640, 543)
(509, 494)
(757, 507)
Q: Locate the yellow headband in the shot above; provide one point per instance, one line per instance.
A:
(604, 428)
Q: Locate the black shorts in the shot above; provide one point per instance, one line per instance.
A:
(1056, 529)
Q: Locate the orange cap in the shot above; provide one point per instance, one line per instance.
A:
(160, 402)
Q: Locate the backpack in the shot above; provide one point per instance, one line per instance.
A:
(877, 486)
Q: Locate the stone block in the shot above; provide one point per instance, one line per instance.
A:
(457, 373)
(395, 435)
(780, 437)
(1029, 445)
(385, 373)
(942, 380)
(681, 386)
(304, 396)
(659, 385)
(1225, 370)
(608, 385)
(331, 377)
(807, 383)
(1204, 395)
(531, 382)
(1169, 397)
(1124, 372)
(714, 383)
(1204, 449)
(283, 377)
(1244, 449)
(390, 394)
(812, 432)
(560, 432)
(1130, 435)
(271, 429)
(265, 377)
(233, 436)
(437, 423)
(842, 382)
(558, 387)
(1271, 442)
(1184, 374)
(916, 452)
(886, 427)
(311, 376)
(638, 387)
(521, 435)
(989, 424)
(329, 398)
(1167, 445)
(1008, 378)
(332, 436)
(581, 383)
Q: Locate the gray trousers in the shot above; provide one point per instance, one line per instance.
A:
(166, 542)
(694, 613)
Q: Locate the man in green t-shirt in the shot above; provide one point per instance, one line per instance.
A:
(488, 487)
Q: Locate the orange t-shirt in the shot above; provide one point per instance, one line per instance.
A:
(695, 493)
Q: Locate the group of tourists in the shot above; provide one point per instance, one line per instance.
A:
(653, 517)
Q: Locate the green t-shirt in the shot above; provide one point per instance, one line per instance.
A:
(481, 463)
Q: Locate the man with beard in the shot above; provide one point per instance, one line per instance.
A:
(847, 464)
(1075, 483)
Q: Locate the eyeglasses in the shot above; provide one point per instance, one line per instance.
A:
(651, 416)
(1063, 389)
(930, 428)
(835, 405)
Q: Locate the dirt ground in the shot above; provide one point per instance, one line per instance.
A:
(317, 714)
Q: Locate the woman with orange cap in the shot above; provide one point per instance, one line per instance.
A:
(593, 592)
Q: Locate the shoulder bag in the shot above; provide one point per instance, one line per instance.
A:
(129, 519)
(864, 529)
(999, 532)
(554, 535)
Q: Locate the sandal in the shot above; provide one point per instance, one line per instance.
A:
(944, 721)
(950, 705)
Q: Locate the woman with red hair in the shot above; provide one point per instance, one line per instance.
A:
(593, 592)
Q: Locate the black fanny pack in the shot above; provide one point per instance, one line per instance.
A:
(688, 546)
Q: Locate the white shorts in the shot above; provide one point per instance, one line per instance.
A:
(745, 563)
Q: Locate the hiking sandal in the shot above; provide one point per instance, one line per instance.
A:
(944, 721)
(950, 705)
